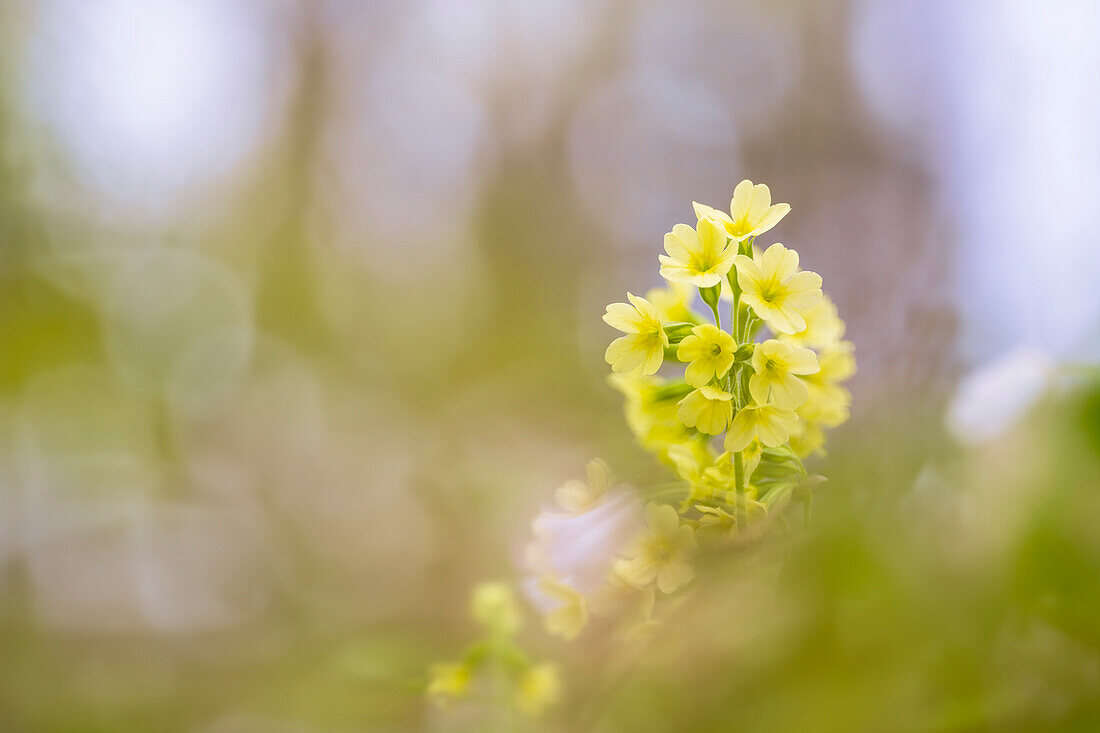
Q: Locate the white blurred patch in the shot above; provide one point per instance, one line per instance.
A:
(579, 549)
(746, 52)
(643, 146)
(198, 568)
(179, 322)
(993, 93)
(897, 71)
(405, 149)
(994, 397)
(83, 469)
(104, 551)
(151, 100)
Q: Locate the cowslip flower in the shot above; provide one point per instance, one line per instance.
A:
(710, 351)
(674, 301)
(661, 554)
(577, 497)
(769, 424)
(494, 606)
(751, 211)
(643, 347)
(776, 290)
(827, 401)
(537, 689)
(778, 366)
(448, 682)
(714, 520)
(700, 256)
(707, 409)
(824, 329)
(572, 553)
(570, 614)
(651, 412)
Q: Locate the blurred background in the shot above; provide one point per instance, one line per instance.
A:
(300, 326)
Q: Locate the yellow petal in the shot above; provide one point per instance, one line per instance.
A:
(759, 204)
(771, 218)
(702, 211)
(742, 200)
(802, 361)
(624, 355)
(779, 262)
(623, 317)
(673, 576)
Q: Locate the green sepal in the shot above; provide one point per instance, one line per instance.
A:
(777, 497)
(672, 391)
(778, 467)
(710, 295)
(677, 332)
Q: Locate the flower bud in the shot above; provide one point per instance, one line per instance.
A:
(677, 332)
(711, 295)
(744, 352)
(494, 607)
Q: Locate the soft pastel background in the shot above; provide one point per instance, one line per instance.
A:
(300, 325)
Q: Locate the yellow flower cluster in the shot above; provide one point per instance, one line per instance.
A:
(754, 399)
(757, 391)
(511, 679)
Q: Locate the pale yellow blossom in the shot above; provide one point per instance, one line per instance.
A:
(776, 290)
(662, 554)
(751, 211)
(699, 256)
(643, 348)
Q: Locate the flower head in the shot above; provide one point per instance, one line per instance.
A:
(448, 682)
(777, 366)
(707, 409)
(662, 553)
(651, 411)
(769, 424)
(643, 348)
(570, 615)
(827, 401)
(673, 301)
(776, 290)
(710, 351)
(824, 329)
(700, 256)
(494, 606)
(538, 688)
(578, 496)
(751, 211)
(716, 521)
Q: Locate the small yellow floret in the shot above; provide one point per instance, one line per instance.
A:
(776, 290)
(661, 554)
(570, 615)
(643, 348)
(448, 682)
(700, 256)
(538, 689)
(751, 211)
(823, 330)
(494, 606)
(778, 366)
(710, 351)
(707, 409)
(769, 424)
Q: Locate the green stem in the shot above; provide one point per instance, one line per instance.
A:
(714, 310)
(734, 328)
(739, 480)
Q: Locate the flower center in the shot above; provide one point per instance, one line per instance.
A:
(771, 292)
